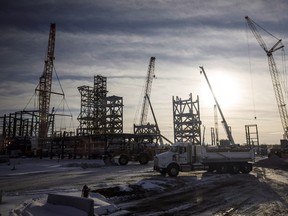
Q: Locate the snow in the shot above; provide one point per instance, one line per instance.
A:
(148, 185)
(32, 202)
(40, 207)
(35, 202)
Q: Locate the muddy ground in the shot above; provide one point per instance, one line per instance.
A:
(262, 192)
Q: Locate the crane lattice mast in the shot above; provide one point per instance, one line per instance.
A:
(45, 84)
(226, 127)
(216, 124)
(147, 91)
(274, 72)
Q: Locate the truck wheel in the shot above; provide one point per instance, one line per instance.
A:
(107, 160)
(234, 168)
(211, 168)
(246, 168)
(222, 168)
(173, 170)
(143, 158)
(163, 173)
(123, 160)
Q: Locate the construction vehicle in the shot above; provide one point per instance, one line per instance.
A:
(275, 76)
(280, 150)
(122, 152)
(187, 156)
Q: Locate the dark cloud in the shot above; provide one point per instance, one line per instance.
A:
(117, 38)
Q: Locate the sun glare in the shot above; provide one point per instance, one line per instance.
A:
(225, 88)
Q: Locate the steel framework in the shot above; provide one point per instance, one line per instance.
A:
(99, 114)
(86, 116)
(187, 124)
(252, 137)
(114, 114)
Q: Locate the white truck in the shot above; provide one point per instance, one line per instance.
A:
(183, 157)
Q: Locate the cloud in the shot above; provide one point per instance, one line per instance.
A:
(117, 38)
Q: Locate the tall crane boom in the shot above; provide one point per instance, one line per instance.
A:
(216, 125)
(147, 91)
(226, 127)
(274, 72)
(45, 84)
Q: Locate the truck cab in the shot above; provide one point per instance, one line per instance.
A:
(180, 157)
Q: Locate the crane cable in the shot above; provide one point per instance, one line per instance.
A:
(63, 101)
(139, 105)
(251, 75)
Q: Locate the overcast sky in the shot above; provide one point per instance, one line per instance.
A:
(116, 39)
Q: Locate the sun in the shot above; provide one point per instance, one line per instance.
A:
(226, 90)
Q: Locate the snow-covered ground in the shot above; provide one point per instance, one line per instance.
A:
(137, 189)
(25, 184)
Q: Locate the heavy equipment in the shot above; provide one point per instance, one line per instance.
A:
(143, 146)
(147, 91)
(275, 75)
(45, 84)
(145, 127)
(226, 127)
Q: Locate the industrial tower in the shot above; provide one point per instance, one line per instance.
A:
(99, 114)
(186, 115)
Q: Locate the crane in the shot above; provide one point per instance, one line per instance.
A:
(45, 84)
(273, 72)
(226, 127)
(147, 91)
(216, 124)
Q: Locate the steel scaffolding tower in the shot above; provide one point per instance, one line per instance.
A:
(187, 124)
(86, 116)
(114, 114)
(100, 93)
(252, 137)
(99, 114)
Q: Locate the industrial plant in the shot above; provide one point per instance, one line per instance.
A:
(100, 130)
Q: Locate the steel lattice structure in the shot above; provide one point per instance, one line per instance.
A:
(187, 124)
(99, 114)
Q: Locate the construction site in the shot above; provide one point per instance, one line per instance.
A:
(100, 131)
